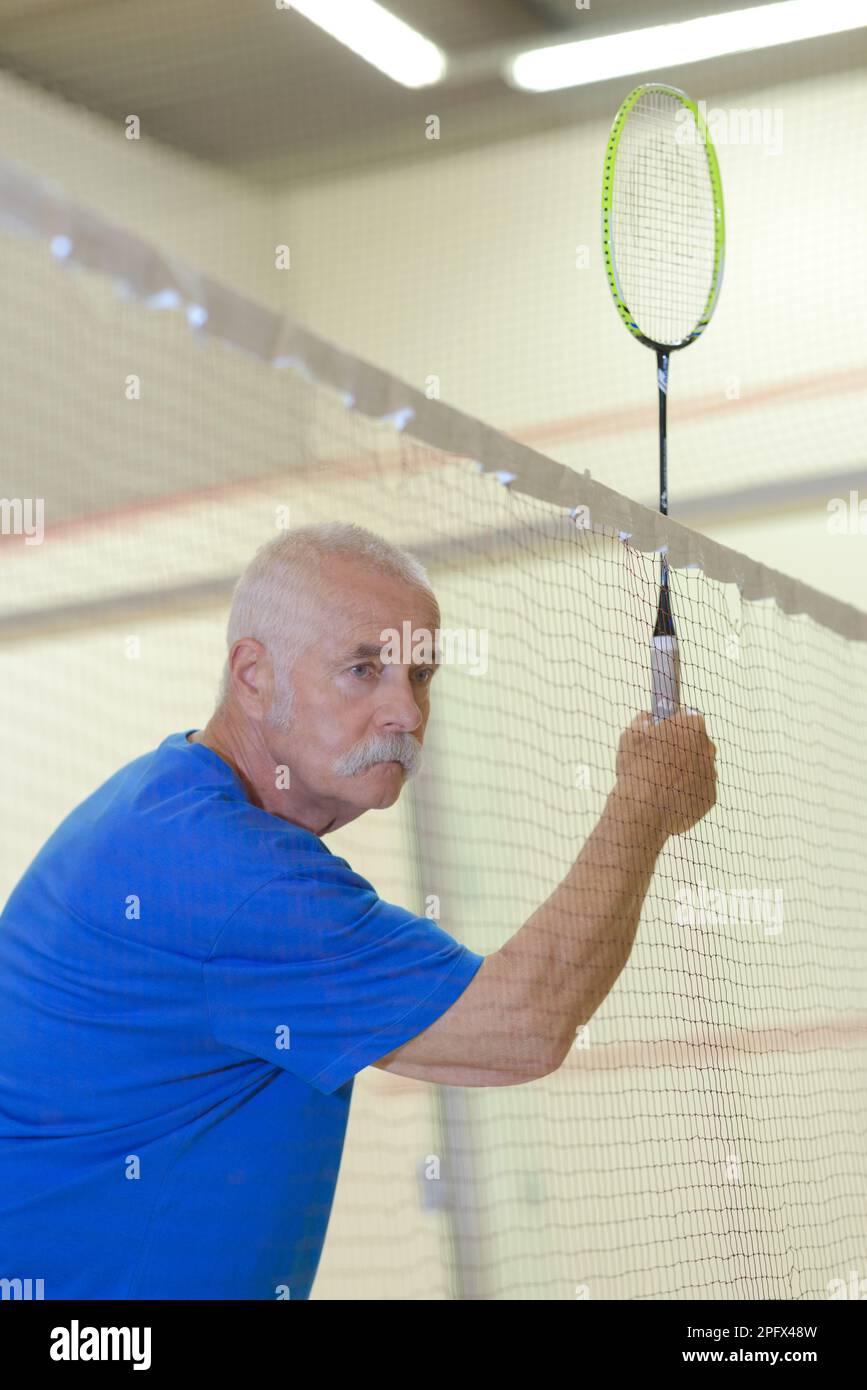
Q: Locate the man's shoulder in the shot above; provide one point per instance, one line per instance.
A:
(187, 798)
(179, 836)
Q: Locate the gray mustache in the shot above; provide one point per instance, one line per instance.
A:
(382, 748)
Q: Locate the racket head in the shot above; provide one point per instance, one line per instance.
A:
(663, 222)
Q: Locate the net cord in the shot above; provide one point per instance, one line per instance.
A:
(82, 237)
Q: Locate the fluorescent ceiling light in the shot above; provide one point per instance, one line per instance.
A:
(378, 37)
(669, 45)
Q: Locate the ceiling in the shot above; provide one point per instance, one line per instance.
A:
(264, 92)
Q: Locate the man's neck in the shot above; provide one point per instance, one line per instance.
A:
(246, 753)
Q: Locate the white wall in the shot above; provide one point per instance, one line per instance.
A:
(184, 205)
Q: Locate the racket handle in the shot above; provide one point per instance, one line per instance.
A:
(665, 677)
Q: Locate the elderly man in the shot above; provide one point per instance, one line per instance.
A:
(190, 979)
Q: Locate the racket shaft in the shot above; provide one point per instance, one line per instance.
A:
(665, 677)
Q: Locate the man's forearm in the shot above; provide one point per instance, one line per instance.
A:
(517, 1019)
(568, 954)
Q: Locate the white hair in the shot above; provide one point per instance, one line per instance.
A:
(271, 601)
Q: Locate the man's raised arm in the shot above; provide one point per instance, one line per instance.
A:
(517, 1018)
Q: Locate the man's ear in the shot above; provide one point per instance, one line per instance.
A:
(251, 676)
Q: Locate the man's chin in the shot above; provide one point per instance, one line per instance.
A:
(389, 778)
(390, 770)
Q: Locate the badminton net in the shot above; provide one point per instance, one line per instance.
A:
(705, 1138)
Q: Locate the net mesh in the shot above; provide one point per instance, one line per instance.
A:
(705, 1137)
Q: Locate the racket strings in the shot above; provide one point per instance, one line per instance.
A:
(663, 228)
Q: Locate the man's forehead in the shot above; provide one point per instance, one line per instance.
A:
(373, 630)
(361, 595)
(361, 610)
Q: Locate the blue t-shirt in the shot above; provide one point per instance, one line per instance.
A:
(188, 985)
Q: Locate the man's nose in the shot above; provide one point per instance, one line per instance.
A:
(399, 711)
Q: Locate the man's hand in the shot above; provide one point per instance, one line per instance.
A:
(666, 774)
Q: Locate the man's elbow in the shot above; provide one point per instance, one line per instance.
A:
(517, 1073)
(535, 1070)
(554, 1064)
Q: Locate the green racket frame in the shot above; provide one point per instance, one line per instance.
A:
(607, 212)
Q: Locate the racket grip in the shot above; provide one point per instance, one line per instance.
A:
(664, 677)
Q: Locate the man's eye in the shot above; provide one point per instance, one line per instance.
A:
(424, 674)
(363, 668)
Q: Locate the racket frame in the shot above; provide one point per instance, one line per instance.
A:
(608, 183)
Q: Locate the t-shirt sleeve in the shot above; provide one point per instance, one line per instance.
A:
(316, 974)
